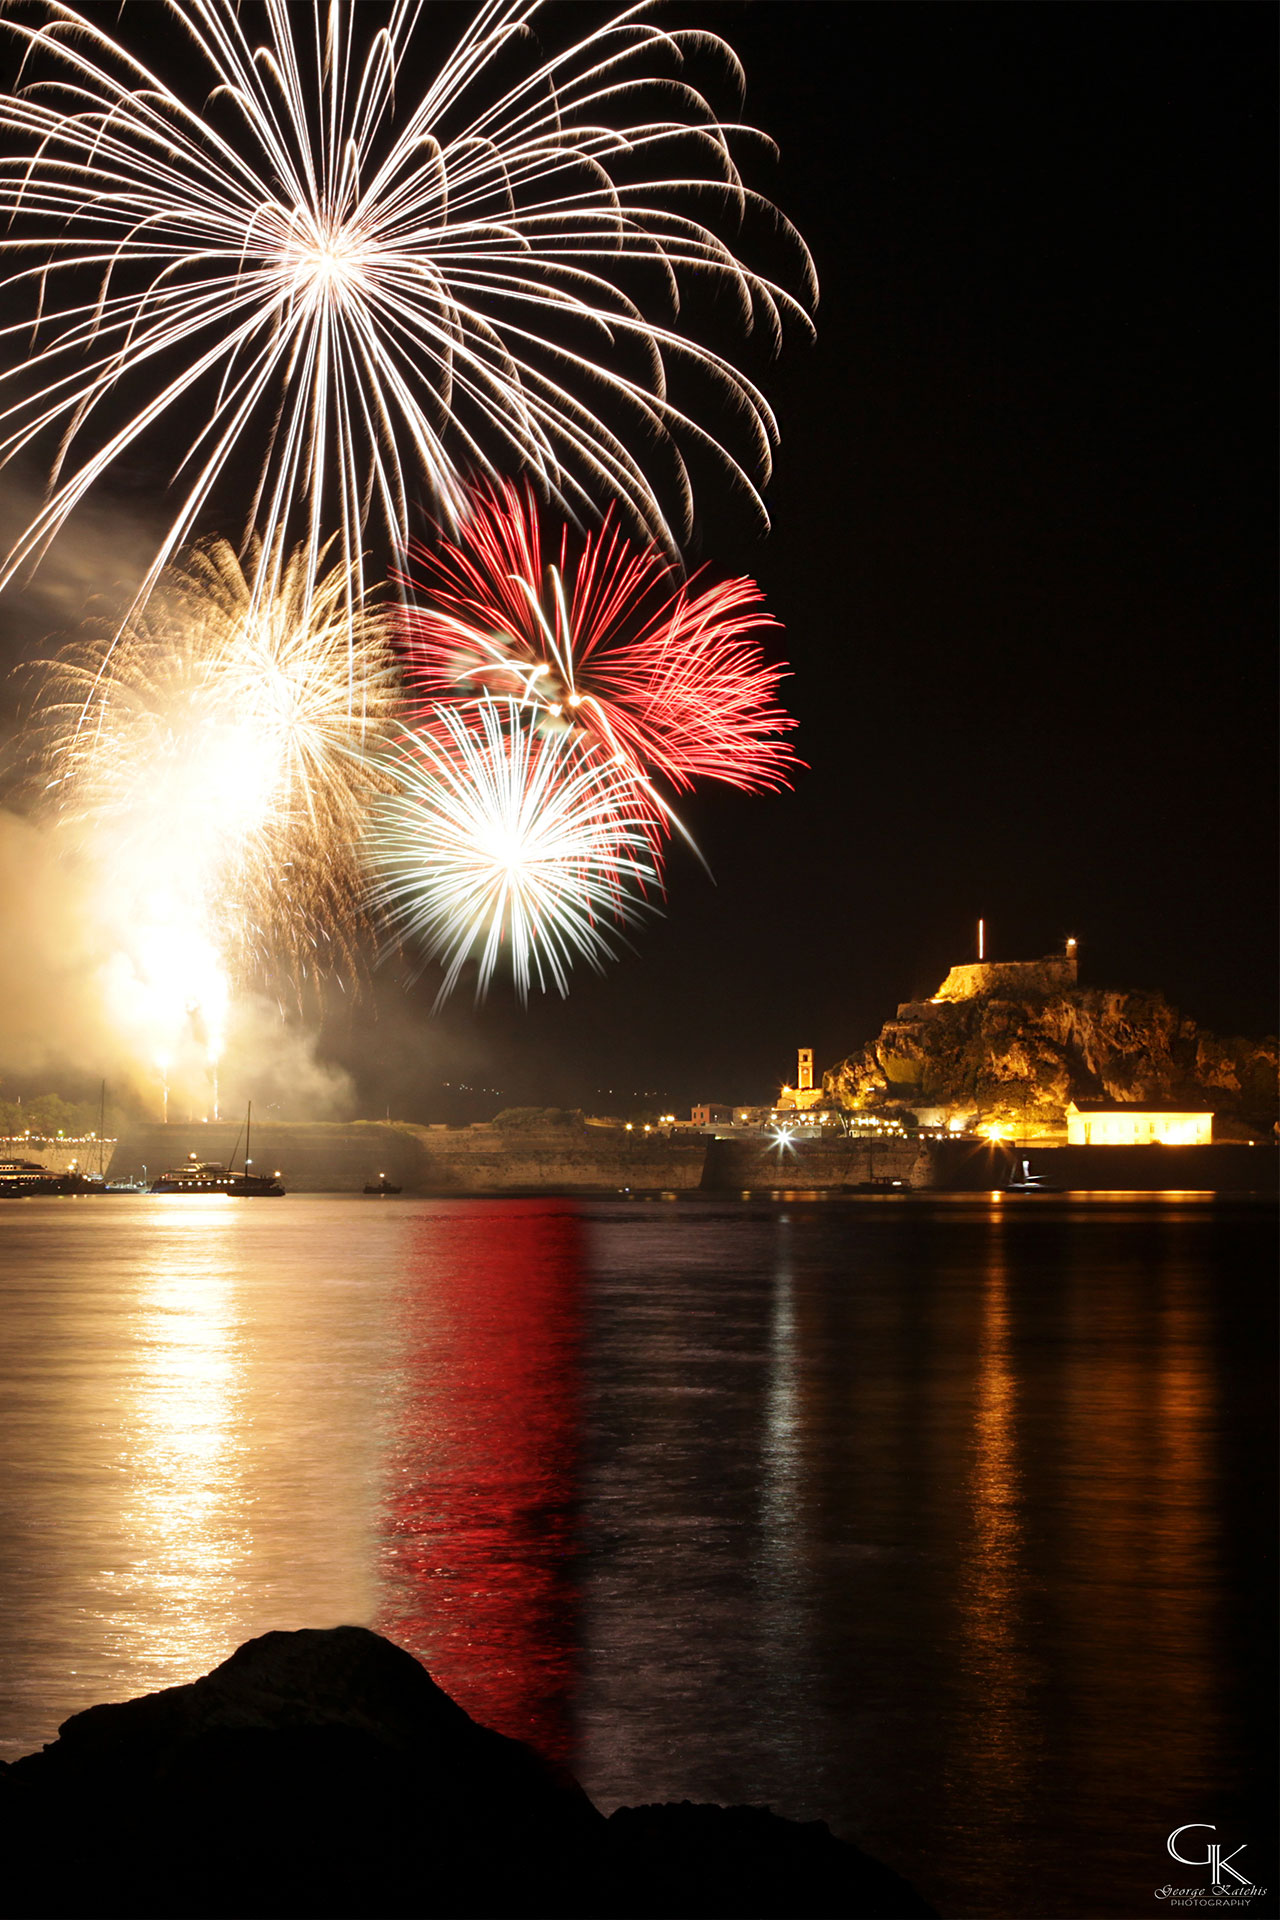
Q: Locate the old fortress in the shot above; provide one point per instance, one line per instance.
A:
(1008, 1064)
(1008, 1050)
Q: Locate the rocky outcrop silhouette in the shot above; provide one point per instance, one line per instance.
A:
(735, 1861)
(324, 1773)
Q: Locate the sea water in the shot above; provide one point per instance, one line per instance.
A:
(949, 1521)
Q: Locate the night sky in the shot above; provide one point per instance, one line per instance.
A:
(1022, 546)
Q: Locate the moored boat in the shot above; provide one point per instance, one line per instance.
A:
(210, 1176)
(1022, 1180)
(19, 1177)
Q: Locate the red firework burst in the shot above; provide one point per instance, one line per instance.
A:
(603, 637)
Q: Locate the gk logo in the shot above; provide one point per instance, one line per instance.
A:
(1216, 1863)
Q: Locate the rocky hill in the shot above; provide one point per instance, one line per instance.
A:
(1020, 1041)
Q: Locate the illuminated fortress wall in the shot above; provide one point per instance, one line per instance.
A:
(60, 1156)
(1055, 973)
(333, 1158)
(752, 1163)
(447, 1160)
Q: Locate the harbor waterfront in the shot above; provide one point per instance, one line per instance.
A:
(577, 1157)
(945, 1519)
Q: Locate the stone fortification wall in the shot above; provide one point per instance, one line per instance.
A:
(750, 1163)
(333, 1158)
(973, 1166)
(1055, 973)
(318, 1158)
(60, 1156)
(312, 1157)
(582, 1159)
(968, 1166)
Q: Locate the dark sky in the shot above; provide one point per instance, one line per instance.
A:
(1023, 548)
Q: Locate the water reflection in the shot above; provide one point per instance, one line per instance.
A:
(784, 1630)
(939, 1556)
(781, 1478)
(1184, 1527)
(250, 1435)
(940, 1522)
(191, 1425)
(1142, 1524)
(182, 1533)
(990, 1754)
(479, 1563)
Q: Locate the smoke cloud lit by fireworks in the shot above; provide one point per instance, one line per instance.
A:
(210, 764)
(63, 946)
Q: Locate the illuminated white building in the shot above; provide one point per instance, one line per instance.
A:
(1097, 1124)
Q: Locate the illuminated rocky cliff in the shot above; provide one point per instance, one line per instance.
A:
(1021, 1040)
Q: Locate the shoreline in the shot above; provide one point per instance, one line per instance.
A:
(589, 1161)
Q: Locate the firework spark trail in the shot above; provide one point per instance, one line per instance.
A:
(500, 836)
(211, 762)
(399, 288)
(604, 639)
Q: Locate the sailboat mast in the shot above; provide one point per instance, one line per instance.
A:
(248, 1135)
(102, 1127)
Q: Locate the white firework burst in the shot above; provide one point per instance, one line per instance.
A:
(501, 835)
(292, 258)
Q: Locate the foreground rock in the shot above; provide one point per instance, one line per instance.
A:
(325, 1773)
(747, 1860)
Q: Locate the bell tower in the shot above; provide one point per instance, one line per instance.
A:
(804, 1070)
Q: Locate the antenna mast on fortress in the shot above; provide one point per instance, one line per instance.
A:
(982, 929)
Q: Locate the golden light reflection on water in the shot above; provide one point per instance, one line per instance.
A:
(1137, 1458)
(185, 1452)
(1185, 1534)
(1089, 1575)
(922, 1530)
(193, 1426)
(991, 1749)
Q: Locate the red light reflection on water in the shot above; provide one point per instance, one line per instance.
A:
(480, 1581)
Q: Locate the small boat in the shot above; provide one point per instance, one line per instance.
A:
(382, 1185)
(211, 1176)
(1022, 1180)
